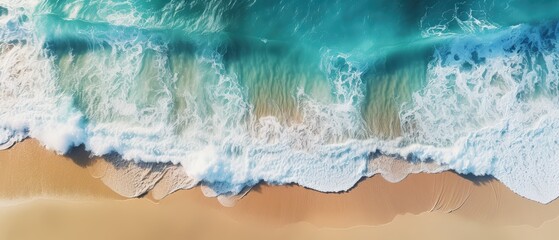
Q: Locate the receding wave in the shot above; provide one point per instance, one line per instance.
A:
(228, 94)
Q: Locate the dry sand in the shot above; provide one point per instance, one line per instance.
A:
(47, 196)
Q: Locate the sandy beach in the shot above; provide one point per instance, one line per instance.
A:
(47, 193)
(287, 120)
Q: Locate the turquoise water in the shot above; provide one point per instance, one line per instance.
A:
(306, 92)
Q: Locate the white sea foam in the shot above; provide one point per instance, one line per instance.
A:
(466, 19)
(30, 106)
(489, 108)
(494, 100)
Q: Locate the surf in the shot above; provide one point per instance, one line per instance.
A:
(319, 101)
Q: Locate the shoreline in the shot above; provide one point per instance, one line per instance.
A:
(28, 171)
(42, 173)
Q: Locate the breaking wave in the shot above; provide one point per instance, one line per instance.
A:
(243, 92)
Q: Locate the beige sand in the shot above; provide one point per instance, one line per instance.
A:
(27, 170)
(417, 207)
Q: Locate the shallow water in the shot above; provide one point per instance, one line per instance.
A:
(306, 92)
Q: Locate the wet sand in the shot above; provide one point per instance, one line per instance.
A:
(46, 196)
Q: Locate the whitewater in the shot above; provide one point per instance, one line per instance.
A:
(308, 92)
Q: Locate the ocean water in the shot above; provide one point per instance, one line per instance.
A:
(240, 92)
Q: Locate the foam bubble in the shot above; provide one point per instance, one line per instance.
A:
(493, 99)
(488, 108)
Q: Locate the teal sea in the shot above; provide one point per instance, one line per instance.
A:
(240, 92)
